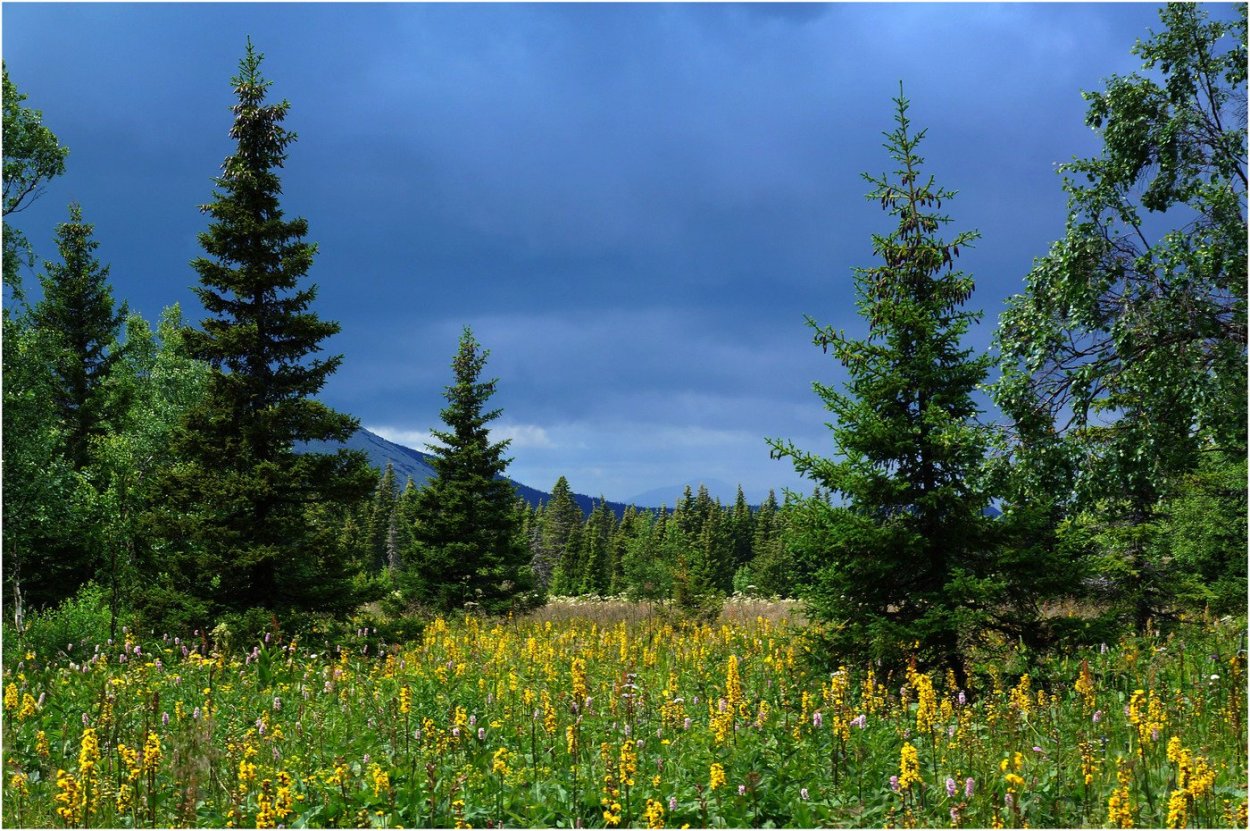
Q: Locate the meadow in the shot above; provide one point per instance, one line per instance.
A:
(574, 717)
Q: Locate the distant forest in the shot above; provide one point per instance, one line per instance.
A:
(153, 476)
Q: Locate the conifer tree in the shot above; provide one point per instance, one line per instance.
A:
(904, 557)
(741, 529)
(560, 516)
(599, 527)
(239, 500)
(78, 316)
(466, 542)
(381, 512)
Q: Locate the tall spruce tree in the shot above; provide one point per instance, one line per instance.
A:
(560, 516)
(241, 497)
(381, 514)
(905, 554)
(78, 316)
(466, 542)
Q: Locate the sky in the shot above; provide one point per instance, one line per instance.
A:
(633, 206)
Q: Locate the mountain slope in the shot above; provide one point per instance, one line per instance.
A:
(415, 465)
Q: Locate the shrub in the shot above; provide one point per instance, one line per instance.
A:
(82, 620)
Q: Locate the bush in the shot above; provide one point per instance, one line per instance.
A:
(82, 620)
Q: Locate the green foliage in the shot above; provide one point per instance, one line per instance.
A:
(904, 561)
(78, 317)
(251, 522)
(47, 527)
(466, 543)
(72, 629)
(1125, 357)
(1206, 533)
(381, 543)
(559, 517)
(442, 728)
(32, 156)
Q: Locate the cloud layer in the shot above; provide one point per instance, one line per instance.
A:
(634, 206)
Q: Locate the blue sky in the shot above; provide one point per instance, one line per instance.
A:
(634, 206)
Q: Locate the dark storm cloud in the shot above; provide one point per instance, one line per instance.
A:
(634, 205)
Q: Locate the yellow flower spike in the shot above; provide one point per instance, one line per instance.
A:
(1178, 809)
(717, 776)
(654, 814)
(1085, 685)
(908, 767)
(380, 778)
(577, 671)
(499, 765)
(151, 752)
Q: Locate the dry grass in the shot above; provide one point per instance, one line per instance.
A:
(609, 611)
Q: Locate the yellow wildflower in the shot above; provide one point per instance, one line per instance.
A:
(654, 814)
(908, 767)
(500, 763)
(381, 779)
(1085, 685)
(405, 699)
(1178, 809)
(578, 672)
(717, 776)
(69, 798)
(151, 752)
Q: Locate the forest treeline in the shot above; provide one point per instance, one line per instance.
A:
(152, 477)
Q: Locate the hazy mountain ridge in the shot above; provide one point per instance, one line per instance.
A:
(415, 465)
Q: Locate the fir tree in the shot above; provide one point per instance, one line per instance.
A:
(381, 512)
(560, 516)
(467, 547)
(904, 556)
(240, 498)
(599, 527)
(78, 316)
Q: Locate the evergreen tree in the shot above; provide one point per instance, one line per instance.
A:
(568, 576)
(624, 532)
(741, 530)
(240, 498)
(560, 516)
(381, 511)
(905, 554)
(467, 547)
(78, 315)
(159, 382)
(599, 527)
(765, 524)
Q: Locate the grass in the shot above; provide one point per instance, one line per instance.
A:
(592, 714)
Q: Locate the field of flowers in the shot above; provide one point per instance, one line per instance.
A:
(535, 723)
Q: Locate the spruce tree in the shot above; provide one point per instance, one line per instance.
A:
(905, 555)
(240, 499)
(560, 516)
(78, 316)
(599, 527)
(466, 542)
(380, 513)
